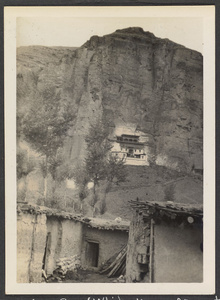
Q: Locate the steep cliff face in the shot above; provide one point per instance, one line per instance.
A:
(153, 84)
(134, 80)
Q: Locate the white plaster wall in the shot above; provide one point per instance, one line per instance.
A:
(54, 226)
(24, 246)
(136, 161)
(71, 238)
(38, 247)
(110, 242)
(31, 237)
(66, 238)
(178, 257)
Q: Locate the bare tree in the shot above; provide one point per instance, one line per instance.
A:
(45, 127)
(100, 165)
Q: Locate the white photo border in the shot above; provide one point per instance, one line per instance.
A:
(208, 15)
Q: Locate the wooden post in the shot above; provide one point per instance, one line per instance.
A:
(151, 251)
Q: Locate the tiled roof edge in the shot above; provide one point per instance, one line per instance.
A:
(91, 222)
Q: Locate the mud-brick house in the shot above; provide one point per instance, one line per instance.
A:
(165, 243)
(101, 239)
(48, 239)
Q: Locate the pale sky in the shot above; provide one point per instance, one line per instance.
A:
(73, 32)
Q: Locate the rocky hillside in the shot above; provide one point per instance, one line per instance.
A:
(134, 80)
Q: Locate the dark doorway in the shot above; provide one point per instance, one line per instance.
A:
(130, 152)
(92, 254)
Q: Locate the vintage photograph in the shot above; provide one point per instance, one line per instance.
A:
(109, 159)
(109, 150)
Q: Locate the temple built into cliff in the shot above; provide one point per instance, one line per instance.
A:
(129, 148)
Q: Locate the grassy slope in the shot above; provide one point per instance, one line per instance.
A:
(148, 183)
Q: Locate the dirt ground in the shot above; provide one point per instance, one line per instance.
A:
(90, 276)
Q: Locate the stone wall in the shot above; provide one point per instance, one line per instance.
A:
(31, 238)
(177, 256)
(110, 242)
(68, 263)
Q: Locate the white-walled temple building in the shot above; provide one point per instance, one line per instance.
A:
(128, 147)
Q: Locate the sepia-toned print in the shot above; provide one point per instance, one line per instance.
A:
(110, 151)
(110, 160)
